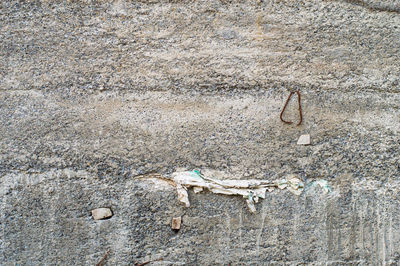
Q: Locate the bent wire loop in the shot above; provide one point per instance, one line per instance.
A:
(284, 107)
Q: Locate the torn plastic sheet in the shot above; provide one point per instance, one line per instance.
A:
(252, 190)
(323, 184)
(291, 183)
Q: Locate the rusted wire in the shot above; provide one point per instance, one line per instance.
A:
(300, 113)
(286, 103)
(284, 107)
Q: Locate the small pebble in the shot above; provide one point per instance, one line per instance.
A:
(101, 213)
(176, 223)
(304, 140)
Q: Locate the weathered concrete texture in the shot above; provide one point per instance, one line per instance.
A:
(121, 136)
(110, 140)
(75, 46)
(46, 220)
(92, 95)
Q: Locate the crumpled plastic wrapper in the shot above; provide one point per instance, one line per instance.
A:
(252, 190)
(322, 184)
(293, 184)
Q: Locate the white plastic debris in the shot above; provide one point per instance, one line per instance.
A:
(182, 194)
(304, 140)
(197, 189)
(250, 204)
(252, 190)
(323, 184)
(293, 184)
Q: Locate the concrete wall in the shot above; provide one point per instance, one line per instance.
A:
(94, 97)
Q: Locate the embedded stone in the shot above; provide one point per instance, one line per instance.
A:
(101, 213)
(176, 223)
(304, 140)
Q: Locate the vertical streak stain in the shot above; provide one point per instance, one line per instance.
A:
(259, 235)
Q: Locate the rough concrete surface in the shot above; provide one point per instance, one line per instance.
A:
(98, 98)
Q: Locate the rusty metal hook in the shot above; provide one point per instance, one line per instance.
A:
(286, 103)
